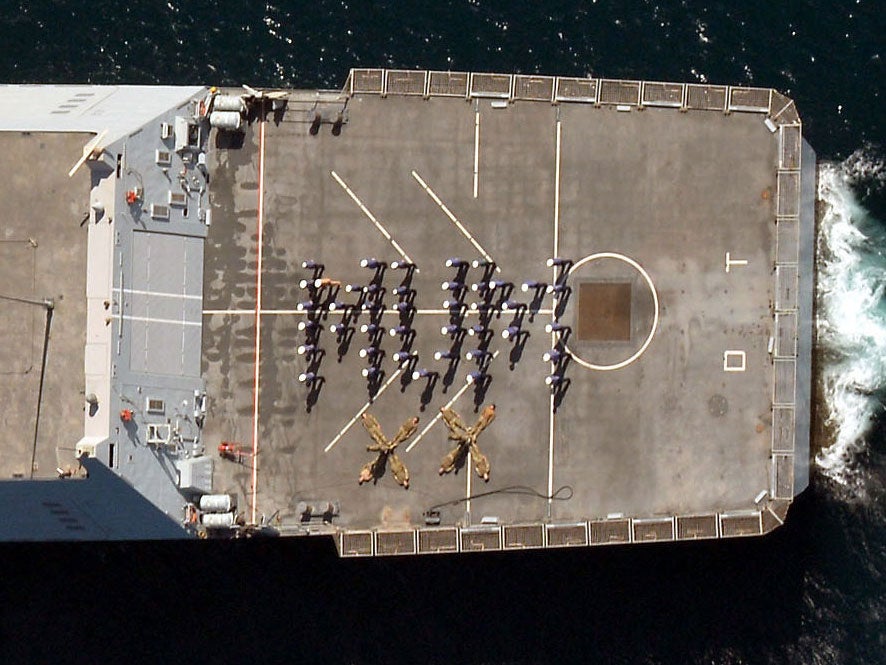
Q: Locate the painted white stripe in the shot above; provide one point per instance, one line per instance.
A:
(551, 452)
(296, 312)
(258, 276)
(556, 248)
(363, 409)
(557, 194)
(172, 322)
(157, 294)
(435, 419)
(371, 217)
(430, 192)
(476, 152)
(469, 472)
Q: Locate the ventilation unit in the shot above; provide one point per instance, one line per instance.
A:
(159, 211)
(178, 199)
(163, 157)
(159, 434)
(156, 405)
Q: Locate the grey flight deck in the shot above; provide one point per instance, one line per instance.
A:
(671, 433)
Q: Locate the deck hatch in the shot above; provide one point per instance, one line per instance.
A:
(604, 311)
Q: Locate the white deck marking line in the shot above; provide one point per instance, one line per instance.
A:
(297, 312)
(148, 319)
(439, 415)
(258, 275)
(363, 409)
(157, 294)
(551, 424)
(476, 151)
(371, 217)
(655, 316)
(461, 391)
(557, 195)
(430, 192)
(734, 262)
(468, 472)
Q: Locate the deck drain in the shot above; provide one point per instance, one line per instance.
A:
(718, 406)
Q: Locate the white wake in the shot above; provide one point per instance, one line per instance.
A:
(851, 320)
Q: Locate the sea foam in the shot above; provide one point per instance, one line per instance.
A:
(851, 319)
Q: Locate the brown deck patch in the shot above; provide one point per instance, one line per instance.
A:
(604, 311)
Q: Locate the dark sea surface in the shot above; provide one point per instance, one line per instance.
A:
(811, 592)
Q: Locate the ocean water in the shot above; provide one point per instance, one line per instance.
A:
(812, 592)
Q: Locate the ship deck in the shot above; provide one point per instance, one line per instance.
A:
(42, 256)
(666, 407)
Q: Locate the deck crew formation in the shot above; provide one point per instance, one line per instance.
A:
(465, 439)
(493, 299)
(627, 294)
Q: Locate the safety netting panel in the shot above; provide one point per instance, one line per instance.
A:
(400, 82)
(480, 539)
(790, 143)
(576, 90)
(437, 540)
(786, 335)
(524, 536)
(663, 94)
(788, 204)
(606, 532)
(755, 100)
(787, 240)
(619, 92)
(491, 85)
(783, 110)
(783, 429)
(566, 535)
(785, 381)
(784, 476)
(706, 97)
(356, 543)
(395, 542)
(534, 88)
(448, 84)
(693, 527)
(367, 81)
(740, 525)
(785, 288)
(653, 529)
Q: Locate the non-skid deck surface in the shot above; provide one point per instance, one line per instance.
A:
(645, 205)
